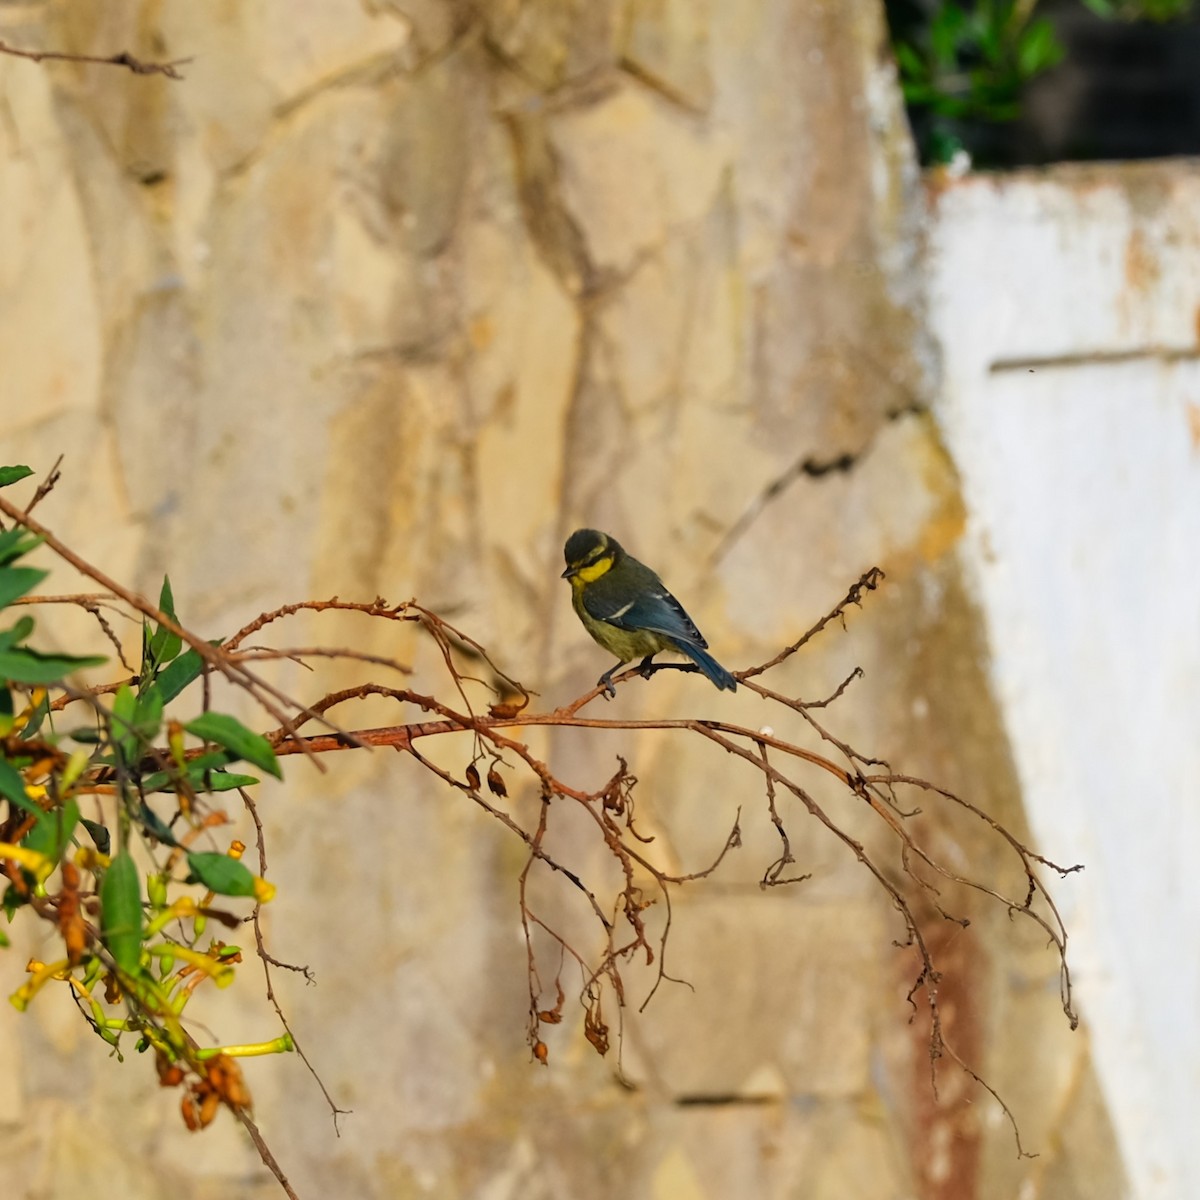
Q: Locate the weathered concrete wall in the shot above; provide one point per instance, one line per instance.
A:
(1067, 305)
(387, 299)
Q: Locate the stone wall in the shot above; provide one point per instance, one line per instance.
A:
(1074, 415)
(388, 298)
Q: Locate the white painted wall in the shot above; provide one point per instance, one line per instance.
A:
(1067, 307)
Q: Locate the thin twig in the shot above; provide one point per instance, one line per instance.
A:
(268, 961)
(267, 696)
(124, 59)
(264, 1152)
(619, 905)
(52, 477)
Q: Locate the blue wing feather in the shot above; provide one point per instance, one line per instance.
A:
(638, 600)
(652, 608)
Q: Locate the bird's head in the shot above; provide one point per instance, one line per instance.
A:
(589, 554)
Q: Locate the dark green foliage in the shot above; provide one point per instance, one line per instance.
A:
(241, 742)
(221, 874)
(122, 748)
(121, 912)
(966, 63)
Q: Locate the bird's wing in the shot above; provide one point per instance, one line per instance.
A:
(653, 608)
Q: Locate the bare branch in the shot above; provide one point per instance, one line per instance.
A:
(904, 866)
(123, 59)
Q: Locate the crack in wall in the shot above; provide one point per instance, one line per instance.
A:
(659, 86)
(723, 1100)
(554, 233)
(1096, 358)
(809, 467)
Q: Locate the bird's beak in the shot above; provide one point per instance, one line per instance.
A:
(569, 572)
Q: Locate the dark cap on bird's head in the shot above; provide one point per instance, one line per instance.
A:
(586, 546)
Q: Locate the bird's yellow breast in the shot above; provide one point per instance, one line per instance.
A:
(593, 571)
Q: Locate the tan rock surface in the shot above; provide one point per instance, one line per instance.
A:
(388, 298)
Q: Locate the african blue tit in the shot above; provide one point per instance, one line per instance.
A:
(626, 608)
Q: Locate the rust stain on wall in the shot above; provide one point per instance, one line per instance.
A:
(1142, 269)
(1192, 408)
(947, 1137)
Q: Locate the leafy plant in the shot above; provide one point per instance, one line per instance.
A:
(1140, 10)
(111, 820)
(971, 61)
(132, 899)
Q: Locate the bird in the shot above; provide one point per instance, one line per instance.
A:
(629, 611)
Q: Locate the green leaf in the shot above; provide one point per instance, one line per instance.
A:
(16, 581)
(221, 874)
(912, 65)
(52, 834)
(229, 732)
(167, 781)
(14, 898)
(166, 599)
(121, 912)
(124, 705)
(16, 542)
(33, 724)
(920, 93)
(207, 778)
(147, 716)
(992, 34)
(14, 475)
(164, 645)
(100, 836)
(943, 146)
(1161, 10)
(17, 634)
(12, 788)
(155, 826)
(28, 666)
(176, 676)
(136, 720)
(124, 727)
(1038, 49)
(224, 781)
(945, 32)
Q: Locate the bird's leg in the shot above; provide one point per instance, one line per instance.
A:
(605, 680)
(646, 667)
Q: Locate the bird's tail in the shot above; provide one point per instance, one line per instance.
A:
(709, 665)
